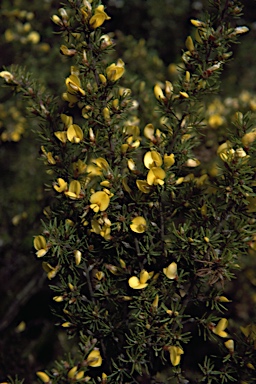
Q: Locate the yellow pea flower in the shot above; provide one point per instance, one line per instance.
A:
(171, 271)
(74, 190)
(77, 256)
(169, 160)
(152, 159)
(115, 71)
(140, 283)
(138, 224)
(7, 76)
(143, 186)
(43, 376)
(67, 120)
(101, 163)
(50, 270)
(61, 135)
(99, 17)
(73, 85)
(94, 358)
(40, 245)
(159, 95)
(63, 185)
(175, 354)
(99, 201)
(72, 372)
(229, 344)
(156, 176)
(219, 329)
(75, 133)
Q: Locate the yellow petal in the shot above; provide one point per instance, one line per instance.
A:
(156, 176)
(175, 355)
(169, 160)
(138, 224)
(135, 283)
(229, 344)
(99, 201)
(74, 133)
(43, 376)
(152, 159)
(171, 271)
(144, 276)
(39, 243)
(143, 186)
(94, 359)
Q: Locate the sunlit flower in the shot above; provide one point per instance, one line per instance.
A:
(74, 133)
(171, 271)
(74, 190)
(152, 159)
(99, 17)
(94, 358)
(156, 176)
(140, 283)
(175, 354)
(115, 71)
(138, 224)
(40, 245)
(99, 201)
(219, 329)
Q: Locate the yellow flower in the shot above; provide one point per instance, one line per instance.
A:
(152, 159)
(219, 329)
(7, 76)
(99, 17)
(156, 176)
(61, 135)
(74, 133)
(175, 354)
(171, 271)
(229, 344)
(158, 93)
(74, 190)
(189, 44)
(72, 372)
(94, 358)
(73, 85)
(50, 270)
(138, 224)
(115, 71)
(43, 376)
(143, 186)
(63, 185)
(99, 201)
(169, 160)
(67, 120)
(40, 245)
(77, 256)
(140, 283)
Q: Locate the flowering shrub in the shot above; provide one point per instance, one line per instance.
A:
(144, 230)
